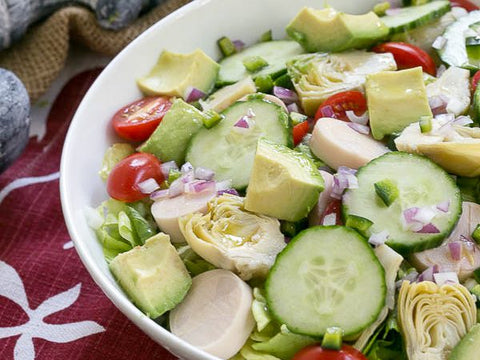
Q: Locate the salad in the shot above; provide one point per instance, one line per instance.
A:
(314, 197)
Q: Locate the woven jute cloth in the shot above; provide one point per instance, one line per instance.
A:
(39, 57)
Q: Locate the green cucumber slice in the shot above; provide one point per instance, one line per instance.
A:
(454, 53)
(421, 183)
(326, 276)
(414, 16)
(229, 150)
(275, 53)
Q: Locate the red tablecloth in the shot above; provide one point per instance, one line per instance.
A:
(50, 308)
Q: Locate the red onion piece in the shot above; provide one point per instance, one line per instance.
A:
(176, 188)
(187, 177)
(378, 239)
(327, 111)
(286, 95)
(438, 104)
(442, 278)
(455, 249)
(463, 120)
(293, 107)
(439, 43)
(197, 186)
(204, 173)
(362, 119)
(424, 215)
(239, 45)
(242, 123)
(223, 185)
(148, 186)
(428, 229)
(228, 191)
(427, 274)
(444, 206)
(187, 167)
(160, 194)
(362, 129)
(343, 179)
(409, 214)
(330, 219)
(167, 166)
(193, 94)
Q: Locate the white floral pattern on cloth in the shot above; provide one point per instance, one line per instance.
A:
(11, 287)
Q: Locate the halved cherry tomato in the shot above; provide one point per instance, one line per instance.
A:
(138, 120)
(316, 352)
(475, 80)
(299, 131)
(466, 4)
(122, 183)
(342, 102)
(408, 56)
(333, 207)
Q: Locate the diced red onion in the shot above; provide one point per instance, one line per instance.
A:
(202, 173)
(223, 185)
(293, 107)
(362, 129)
(444, 206)
(463, 120)
(197, 186)
(187, 177)
(330, 219)
(424, 215)
(239, 45)
(176, 188)
(242, 123)
(411, 276)
(438, 104)
(187, 167)
(148, 186)
(160, 194)
(378, 239)
(228, 191)
(343, 179)
(362, 119)
(327, 111)
(427, 274)
(440, 70)
(443, 278)
(455, 249)
(409, 214)
(250, 113)
(193, 94)
(395, 3)
(428, 229)
(439, 43)
(455, 106)
(286, 95)
(167, 166)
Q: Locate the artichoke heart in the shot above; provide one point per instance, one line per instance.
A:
(434, 318)
(319, 76)
(231, 238)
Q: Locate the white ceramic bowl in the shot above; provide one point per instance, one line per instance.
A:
(197, 25)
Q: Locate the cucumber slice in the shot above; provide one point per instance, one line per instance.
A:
(275, 53)
(229, 150)
(414, 16)
(454, 53)
(421, 183)
(326, 276)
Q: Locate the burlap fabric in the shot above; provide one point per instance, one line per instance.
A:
(39, 57)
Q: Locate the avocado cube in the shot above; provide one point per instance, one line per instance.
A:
(174, 73)
(153, 275)
(170, 139)
(284, 183)
(395, 100)
(332, 31)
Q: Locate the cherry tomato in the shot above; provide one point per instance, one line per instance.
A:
(342, 102)
(475, 80)
(122, 183)
(408, 56)
(333, 207)
(316, 352)
(138, 120)
(299, 131)
(466, 4)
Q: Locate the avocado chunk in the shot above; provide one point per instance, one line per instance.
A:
(469, 347)
(170, 139)
(152, 275)
(395, 99)
(174, 73)
(284, 183)
(332, 31)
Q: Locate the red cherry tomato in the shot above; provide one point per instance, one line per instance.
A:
(408, 56)
(466, 4)
(342, 102)
(122, 183)
(333, 207)
(138, 120)
(299, 131)
(475, 80)
(316, 352)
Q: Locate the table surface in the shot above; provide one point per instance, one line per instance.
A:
(50, 308)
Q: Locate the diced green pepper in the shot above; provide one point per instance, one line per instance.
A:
(173, 175)
(254, 63)
(476, 234)
(332, 338)
(211, 118)
(297, 118)
(266, 36)
(381, 8)
(284, 81)
(476, 275)
(358, 223)
(476, 291)
(264, 83)
(472, 44)
(386, 190)
(227, 47)
(425, 124)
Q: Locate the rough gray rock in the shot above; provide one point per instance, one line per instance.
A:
(14, 118)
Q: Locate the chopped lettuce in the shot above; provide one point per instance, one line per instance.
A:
(112, 156)
(193, 262)
(387, 342)
(469, 188)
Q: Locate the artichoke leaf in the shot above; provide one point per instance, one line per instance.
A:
(434, 318)
(232, 238)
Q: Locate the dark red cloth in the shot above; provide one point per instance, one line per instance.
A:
(32, 239)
